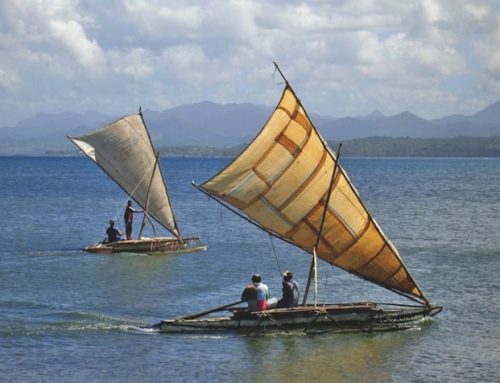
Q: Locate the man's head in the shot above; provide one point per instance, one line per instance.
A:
(287, 276)
(256, 278)
(129, 203)
(111, 223)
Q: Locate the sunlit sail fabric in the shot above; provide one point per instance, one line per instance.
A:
(281, 180)
(123, 149)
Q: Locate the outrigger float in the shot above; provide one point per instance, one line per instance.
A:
(124, 150)
(290, 184)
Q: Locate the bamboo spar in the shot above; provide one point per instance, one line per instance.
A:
(280, 72)
(215, 309)
(147, 198)
(314, 262)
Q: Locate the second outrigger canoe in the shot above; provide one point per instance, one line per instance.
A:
(124, 150)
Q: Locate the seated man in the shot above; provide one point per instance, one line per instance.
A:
(290, 296)
(113, 233)
(263, 293)
(249, 295)
(257, 295)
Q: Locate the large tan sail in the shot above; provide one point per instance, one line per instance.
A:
(280, 181)
(123, 149)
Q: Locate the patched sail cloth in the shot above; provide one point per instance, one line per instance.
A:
(281, 180)
(123, 149)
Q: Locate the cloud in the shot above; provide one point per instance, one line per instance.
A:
(50, 27)
(8, 79)
(72, 36)
(343, 57)
(157, 17)
(135, 63)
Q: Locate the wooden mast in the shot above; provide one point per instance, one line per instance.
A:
(147, 198)
(280, 72)
(314, 263)
(158, 165)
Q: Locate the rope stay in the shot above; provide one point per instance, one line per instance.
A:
(275, 254)
(120, 207)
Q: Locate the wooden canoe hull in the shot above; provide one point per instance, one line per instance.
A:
(157, 245)
(336, 318)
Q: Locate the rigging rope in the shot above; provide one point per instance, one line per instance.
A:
(128, 197)
(275, 255)
(326, 279)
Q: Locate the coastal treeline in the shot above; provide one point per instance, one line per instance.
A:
(361, 147)
(421, 147)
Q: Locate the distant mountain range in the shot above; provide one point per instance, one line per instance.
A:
(220, 126)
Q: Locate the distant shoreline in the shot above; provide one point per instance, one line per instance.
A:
(376, 147)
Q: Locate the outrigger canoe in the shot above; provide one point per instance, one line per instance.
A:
(333, 318)
(289, 183)
(125, 152)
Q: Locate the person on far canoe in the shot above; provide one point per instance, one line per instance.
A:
(290, 296)
(129, 218)
(113, 233)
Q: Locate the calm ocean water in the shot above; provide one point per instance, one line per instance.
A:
(74, 317)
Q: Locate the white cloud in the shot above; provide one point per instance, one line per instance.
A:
(72, 36)
(342, 57)
(8, 79)
(51, 26)
(159, 19)
(136, 63)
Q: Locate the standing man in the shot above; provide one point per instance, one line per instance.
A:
(129, 218)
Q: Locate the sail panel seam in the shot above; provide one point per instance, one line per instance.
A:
(288, 144)
(359, 268)
(392, 274)
(276, 211)
(323, 240)
(356, 239)
(306, 183)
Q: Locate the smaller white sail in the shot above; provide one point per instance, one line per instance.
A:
(123, 149)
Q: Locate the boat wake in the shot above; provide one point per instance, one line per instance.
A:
(67, 323)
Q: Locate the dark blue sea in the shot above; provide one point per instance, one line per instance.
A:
(69, 316)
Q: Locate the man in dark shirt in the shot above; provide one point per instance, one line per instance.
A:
(113, 233)
(290, 291)
(129, 218)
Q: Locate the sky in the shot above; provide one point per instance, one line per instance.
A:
(343, 58)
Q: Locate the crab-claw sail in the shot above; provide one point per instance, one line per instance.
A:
(123, 149)
(280, 182)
